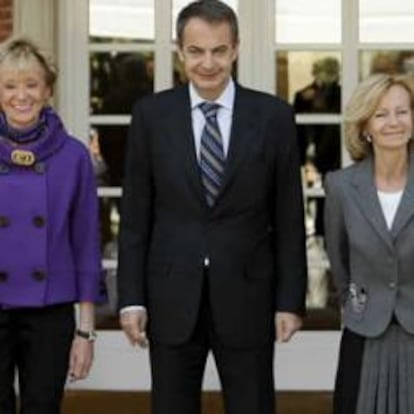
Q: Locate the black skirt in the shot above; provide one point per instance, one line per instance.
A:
(348, 374)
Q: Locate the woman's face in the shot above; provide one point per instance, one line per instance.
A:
(391, 124)
(23, 94)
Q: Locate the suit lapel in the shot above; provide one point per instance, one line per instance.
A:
(406, 208)
(367, 199)
(242, 135)
(179, 126)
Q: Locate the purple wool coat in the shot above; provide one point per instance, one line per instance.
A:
(49, 241)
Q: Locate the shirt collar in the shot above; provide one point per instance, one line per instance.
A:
(225, 100)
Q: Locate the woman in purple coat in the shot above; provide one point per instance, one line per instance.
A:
(49, 246)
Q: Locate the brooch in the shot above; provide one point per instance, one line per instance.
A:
(357, 297)
(23, 157)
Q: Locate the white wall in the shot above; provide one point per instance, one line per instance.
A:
(308, 362)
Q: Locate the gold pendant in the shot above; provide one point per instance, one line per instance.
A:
(23, 157)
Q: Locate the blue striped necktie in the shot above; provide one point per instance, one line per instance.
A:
(212, 157)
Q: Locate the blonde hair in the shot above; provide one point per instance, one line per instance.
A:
(21, 53)
(362, 105)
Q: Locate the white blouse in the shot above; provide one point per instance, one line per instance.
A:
(389, 204)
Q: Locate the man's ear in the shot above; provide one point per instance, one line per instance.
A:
(180, 53)
(235, 51)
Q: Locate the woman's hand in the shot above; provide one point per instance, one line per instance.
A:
(81, 358)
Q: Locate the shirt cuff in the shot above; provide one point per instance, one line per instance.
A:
(132, 308)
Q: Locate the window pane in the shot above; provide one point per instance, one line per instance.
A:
(179, 4)
(310, 80)
(117, 80)
(108, 152)
(304, 21)
(109, 224)
(385, 21)
(386, 61)
(131, 20)
(320, 152)
(323, 311)
(107, 314)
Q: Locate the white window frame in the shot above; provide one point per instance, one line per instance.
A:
(309, 361)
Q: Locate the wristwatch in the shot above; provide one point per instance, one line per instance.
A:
(88, 335)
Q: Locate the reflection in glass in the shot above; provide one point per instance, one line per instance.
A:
(320, 152)
(310, 80)
(318, 282)
(304, 21)
(107, 314)
(109, 225)
(384, 21)
(180, 4)
(125, 20)
(323, 310)
(99, 165)
(386, 61)
(118, 79)
(107, 145)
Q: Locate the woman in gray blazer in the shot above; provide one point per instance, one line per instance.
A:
(369, 219)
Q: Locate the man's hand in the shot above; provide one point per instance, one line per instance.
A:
(287, 324)
(134, 324)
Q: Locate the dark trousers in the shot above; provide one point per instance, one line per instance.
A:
(36, 343)
(246, 374)
(349, 373)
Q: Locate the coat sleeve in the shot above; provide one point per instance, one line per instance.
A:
(291, 269)
(336, 236)
(136, 214)
(85, 234)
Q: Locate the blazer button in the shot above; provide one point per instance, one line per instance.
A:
(4, 221)
(39, 221)
(3, 277)
(4, 169)
(40, 167)
(39, 275)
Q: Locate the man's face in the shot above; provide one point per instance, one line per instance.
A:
(208, 52)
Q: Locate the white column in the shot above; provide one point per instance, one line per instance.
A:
(35, 19)
(73, 82)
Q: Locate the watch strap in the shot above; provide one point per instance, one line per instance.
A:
(88, 335)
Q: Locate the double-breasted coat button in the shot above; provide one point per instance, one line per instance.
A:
(3, 276)
(4, 221)
(39, 275)
(39, 221)
(39, 167)
(4, 169)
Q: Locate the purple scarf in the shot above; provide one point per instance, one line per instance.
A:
(39, 141)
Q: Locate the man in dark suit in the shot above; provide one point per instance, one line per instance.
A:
(212, 238)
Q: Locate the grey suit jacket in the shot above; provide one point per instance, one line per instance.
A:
(373, 267)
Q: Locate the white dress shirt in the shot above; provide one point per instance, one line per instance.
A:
(224, 115)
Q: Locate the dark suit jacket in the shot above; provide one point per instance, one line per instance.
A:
(373, 266)
(254, 235)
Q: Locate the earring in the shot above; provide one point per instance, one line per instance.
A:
(367, 138)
